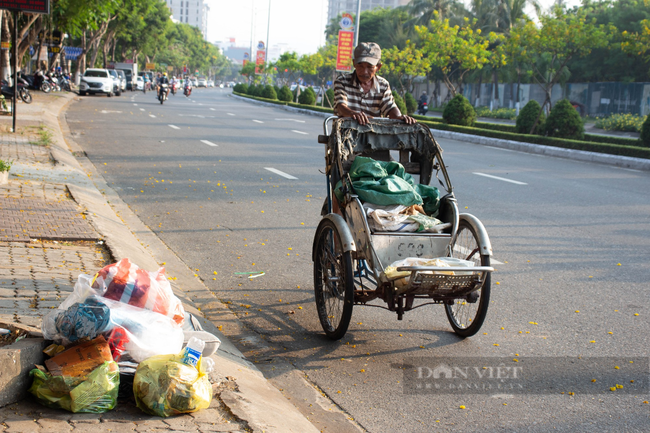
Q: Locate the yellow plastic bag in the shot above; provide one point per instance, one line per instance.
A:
(164, 386)
(95, 393)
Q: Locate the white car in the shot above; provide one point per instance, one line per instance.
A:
(96, 81)
(117, 82)
(139, 83)
(202, 82)
(210, 83)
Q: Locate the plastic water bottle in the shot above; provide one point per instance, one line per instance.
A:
(192, 352)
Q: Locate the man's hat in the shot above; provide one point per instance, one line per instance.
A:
(367, 52)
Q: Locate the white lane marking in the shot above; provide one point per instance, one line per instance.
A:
(230, 114)
(281, 173)
(299, 132)
(293, 120)
(213, 109)
(257, 121)
(141, 109)
(109, 111)
(501, 178)
(135, 105)
(209, 143)
(200, 104)
(174, 126)
(151, 115)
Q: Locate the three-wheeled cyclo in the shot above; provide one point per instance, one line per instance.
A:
(356, 261)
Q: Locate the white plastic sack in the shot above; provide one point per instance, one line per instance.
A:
(389, 218)
(131, 331)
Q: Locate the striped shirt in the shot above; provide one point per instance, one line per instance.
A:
(377, 102)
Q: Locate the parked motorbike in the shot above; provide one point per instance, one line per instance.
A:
(162, 93)
(423, 108)
(23, 92)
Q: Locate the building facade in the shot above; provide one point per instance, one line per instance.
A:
(192, 12)
(337, 7)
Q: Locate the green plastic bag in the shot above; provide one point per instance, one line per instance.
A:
(96, 393)
(165, 386)
(387, 183)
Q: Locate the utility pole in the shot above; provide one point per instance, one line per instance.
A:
(357, 24)
(250, 56)
(268, 48)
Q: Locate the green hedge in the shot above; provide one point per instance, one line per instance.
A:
(627, 146)
(590, 146)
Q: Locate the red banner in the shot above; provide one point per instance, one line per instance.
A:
(344, 53)
(260, 60)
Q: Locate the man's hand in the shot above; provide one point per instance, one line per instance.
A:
(408, 119)
(361, 117)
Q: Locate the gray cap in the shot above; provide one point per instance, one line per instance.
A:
(367, 52)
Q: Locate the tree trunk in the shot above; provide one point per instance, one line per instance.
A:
(480, 84)
(496, 89)
(539, 115)
(81, 60)
(6, 37)
(28, 34)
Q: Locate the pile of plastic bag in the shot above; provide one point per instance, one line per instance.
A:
(135, 310)
(124, 321)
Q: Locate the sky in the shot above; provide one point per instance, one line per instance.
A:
(297, 24)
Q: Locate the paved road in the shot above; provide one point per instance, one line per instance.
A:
(571, 241)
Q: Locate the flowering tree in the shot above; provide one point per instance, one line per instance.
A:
(457, 50)
(406, 64)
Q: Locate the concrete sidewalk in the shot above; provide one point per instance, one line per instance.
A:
(55, 223)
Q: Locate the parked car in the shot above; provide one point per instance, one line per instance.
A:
(122, 75)
(129, 78)
(117, 85)
(139, 83)
(210, 83)
(96, 81)
(202, 82)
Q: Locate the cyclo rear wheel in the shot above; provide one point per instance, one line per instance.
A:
(333, 281)
(466, 317)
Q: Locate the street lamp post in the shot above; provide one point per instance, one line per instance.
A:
(358, 24)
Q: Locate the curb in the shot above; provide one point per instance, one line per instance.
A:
(578, 155)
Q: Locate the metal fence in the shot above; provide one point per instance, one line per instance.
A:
(592, 99)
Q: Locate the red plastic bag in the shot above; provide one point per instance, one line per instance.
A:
(126, 282)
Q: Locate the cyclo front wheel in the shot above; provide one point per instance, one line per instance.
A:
(466, 316)
(333, 281)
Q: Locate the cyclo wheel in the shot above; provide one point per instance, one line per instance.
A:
(465, 317)
(333, 281)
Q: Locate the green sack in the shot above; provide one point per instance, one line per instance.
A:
(387, 183)
(96, 393)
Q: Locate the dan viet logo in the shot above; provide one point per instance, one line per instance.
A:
(526, 375)
(443, 371)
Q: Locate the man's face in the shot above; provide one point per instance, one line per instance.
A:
(365, 71)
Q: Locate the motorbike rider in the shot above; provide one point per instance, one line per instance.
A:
(423, 100)
(162, 79)
(188, 86)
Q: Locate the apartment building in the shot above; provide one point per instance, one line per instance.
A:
(192, 12)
